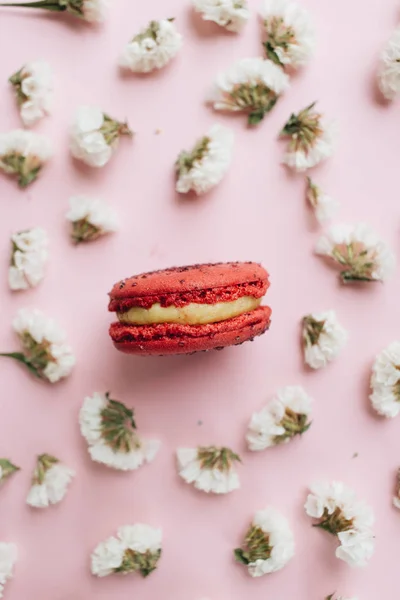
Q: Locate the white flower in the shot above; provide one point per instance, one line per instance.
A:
(90, 219)
(231, 14)
(324, 206)
(7, 468)
(209, 469)
(290, 33)
(45, 353)
(23, 155)
(33, 87)
(323, 338)
(358, 251)
(341, 514)
(204, 166)
(385, 381)
(311, 139)
(389, 67)
(269, 543)
(8, 558)
(152, 48)
(137, 548)
(93, 11)
(285, 416)
(251, 85)
(121, 448)
(50, 482)
(28, 258)
(95, 136)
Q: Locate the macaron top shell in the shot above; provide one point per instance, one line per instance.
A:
(205, 284)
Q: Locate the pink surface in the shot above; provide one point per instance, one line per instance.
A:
(257, 213)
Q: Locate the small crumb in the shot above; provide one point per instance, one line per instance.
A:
(355, 455)
(158, 131)
(199, 422)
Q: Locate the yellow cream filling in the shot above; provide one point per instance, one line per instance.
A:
(191, 314)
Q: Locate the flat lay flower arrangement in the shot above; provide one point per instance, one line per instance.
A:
(135, 137)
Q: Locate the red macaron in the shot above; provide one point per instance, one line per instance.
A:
(189, 309)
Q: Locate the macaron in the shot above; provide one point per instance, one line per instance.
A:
(184, 310)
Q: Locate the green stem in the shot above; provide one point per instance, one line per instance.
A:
(18, 356)
(45, 4)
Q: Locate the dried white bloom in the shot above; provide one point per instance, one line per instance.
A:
(209, 469)
(136, 548)
(290, 33)
(339, 512)
(45, 353)
(323, 338)
(385, 381)
(251, 85)
(152, 48)
(231, 14)
(269, 543)
(33, 87)
(324, 206)
(110, 431)
(203, 167)
(50, 482)
(95, 136)
(23, 154)
(93, 11)
(29, 255)
(359, 253)
(90, 219)
(389, 67)
(311, 139)
(7, 468)
(284, 417)
(333, 597)
(396, 498)
(8, 558)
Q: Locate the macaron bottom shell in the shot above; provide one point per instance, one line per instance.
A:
(172, 338)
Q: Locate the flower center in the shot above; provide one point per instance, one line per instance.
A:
(187, 160)
(44, 464)
(335, 523)
(256, 546)
(304, 130)
(359, 260)
(118, 427)
(255, 98)
(294, 424)
(84, 231)
(144, 562)
(312, 330)
(216, 458)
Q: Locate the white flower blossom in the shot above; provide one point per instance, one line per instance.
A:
(33, 87)
(119, 447)
(324, 206)
(203, 167)
(358, 252)
(389, 67)
(90, 219)
(93, 11)
(136, 548)
(7, 468)
(209, 469)
(95, 136)
(290, 33)
(29, 255)
(339, 512)
(152, 48)
(23, 154)
(269, 543)
(8, 558)
(281, 419)
(385, 381)
(251, 85)
(50, 482)
(45, 353)
(231, 14)
(323, 338)
(311, 139)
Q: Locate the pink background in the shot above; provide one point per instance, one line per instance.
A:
(257, 213)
